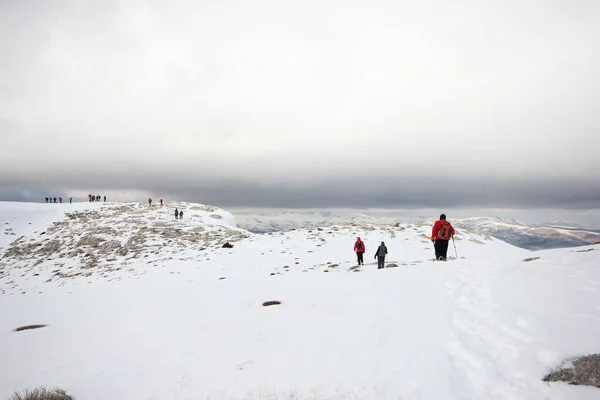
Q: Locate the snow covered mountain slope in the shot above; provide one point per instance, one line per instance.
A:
(181, 323)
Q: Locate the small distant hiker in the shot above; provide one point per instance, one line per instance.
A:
(55, 199)
(70, 200)
(150, 201)
(359, 248)
(98, 198)
(104, 198)
(380, 255)
(180, 214)
(176, 213)
(161, 202)
(441, 233)
(46, 199)
(60, 199)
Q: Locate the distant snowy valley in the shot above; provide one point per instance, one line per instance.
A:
(537, 236)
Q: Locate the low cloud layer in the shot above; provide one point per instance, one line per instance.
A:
(318, 104)
(390, 193)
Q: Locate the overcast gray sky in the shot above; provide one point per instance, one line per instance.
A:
(303, 104)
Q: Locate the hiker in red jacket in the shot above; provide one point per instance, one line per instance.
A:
(441, 233)
(359, 248)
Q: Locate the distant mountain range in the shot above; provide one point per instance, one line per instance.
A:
(538, 236)
(287, 221)
(533, 236)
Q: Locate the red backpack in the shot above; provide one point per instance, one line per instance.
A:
(445, 230)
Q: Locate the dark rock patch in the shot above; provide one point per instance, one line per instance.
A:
(271, 303)
(28, 327)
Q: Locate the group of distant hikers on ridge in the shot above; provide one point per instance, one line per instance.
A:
(441, 233)
(91, 198)
(60, 199)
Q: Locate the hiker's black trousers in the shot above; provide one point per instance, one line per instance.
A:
(441, 248)
(359, 257)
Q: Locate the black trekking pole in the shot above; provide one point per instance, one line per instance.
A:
(454, 243)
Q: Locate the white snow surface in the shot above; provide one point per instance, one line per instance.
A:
(162, 317)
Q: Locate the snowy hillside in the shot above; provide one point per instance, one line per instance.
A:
(58, 241)
(177, 316)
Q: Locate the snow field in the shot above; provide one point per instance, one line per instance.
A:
(487, 325)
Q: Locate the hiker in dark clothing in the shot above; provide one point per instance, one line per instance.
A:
(441, 234)
(104, 198)
(70, 200)
(380, 255)
(46, 199)
(180, 214)
(55, 199)
(176, 213)
(359, 248)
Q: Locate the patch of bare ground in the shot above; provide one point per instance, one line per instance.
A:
(582, 371)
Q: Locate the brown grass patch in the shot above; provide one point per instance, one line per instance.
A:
(271, 303)
(582, 251)
(27, 327)
(531, 259)
(42, 394)
(584, 371)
